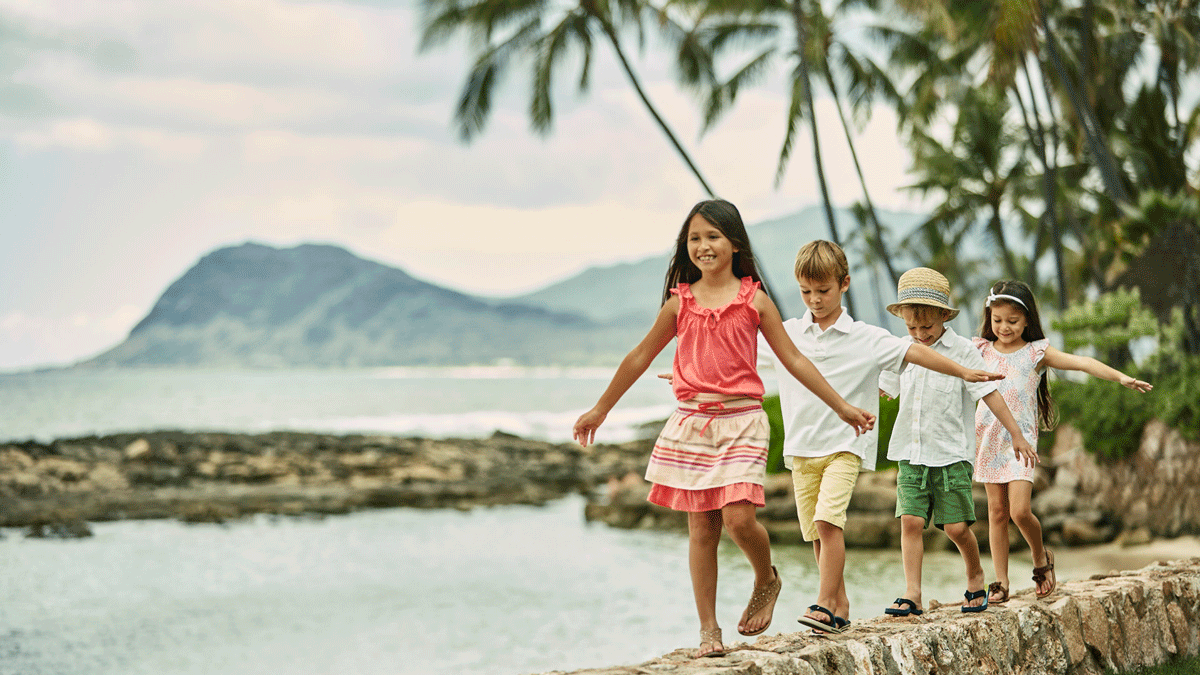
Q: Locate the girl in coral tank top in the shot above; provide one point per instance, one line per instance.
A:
(711, 458)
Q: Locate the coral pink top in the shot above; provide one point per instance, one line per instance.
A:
(717, 349)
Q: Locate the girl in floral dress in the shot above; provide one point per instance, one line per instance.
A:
(1014, 344)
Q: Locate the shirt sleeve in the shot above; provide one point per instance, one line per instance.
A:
(890, 351)
(889, 383)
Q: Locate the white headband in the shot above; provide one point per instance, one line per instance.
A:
(1001, 296)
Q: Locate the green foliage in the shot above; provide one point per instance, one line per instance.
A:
(1112, 321)
(1188, 665)
(887, 418)
(1110, 417)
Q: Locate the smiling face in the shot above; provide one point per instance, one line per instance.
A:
(707, 247)
(823, 298)
(925, 325)
(1008, 322)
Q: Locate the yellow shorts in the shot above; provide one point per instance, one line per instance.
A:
(823, 486)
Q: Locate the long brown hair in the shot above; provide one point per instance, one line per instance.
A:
(725, 217)
(1047, 412)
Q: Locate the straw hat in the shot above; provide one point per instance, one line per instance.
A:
(923, 286)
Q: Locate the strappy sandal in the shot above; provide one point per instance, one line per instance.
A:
(762, 596)
(711, 637)
(997, 587)
(1039, 574)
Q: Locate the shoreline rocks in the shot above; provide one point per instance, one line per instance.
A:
(212, 477)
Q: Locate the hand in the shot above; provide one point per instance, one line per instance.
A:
(980, 376)
(586, 425)
(669, 377)
(885, 395)
(1135, 384)
(1025, 452)
(860, 419)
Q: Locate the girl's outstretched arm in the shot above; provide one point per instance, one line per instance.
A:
(1061, 360)
(634, 364)
(802, 369)
(1024, 451)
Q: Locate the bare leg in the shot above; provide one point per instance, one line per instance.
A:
(830, 549)
(997, 496)
(752, 538)
(968, 546)
(1020, 493)
(704, 533)
(912, 550)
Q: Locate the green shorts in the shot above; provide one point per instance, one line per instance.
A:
(940, 493)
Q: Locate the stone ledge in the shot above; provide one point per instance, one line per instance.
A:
(1120, 621)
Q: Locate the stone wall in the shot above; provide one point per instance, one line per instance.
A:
(1119, 622)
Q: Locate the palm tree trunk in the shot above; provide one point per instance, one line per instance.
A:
(611, 33)
(996, 225)
(801, 41)
(1114, 179)
(1049, 183)
(877, 240)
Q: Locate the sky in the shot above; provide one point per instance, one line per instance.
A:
(138, 135)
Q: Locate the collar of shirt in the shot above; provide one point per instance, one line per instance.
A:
(947, 335)
(842, 324)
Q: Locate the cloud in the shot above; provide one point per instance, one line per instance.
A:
(39, 339)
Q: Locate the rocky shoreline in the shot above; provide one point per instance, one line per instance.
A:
(55, 489)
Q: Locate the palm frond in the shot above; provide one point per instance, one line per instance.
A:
(475, 102)
(795, 115)
(723, 96)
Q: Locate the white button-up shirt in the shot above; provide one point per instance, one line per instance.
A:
(850, 355)
(936, 422)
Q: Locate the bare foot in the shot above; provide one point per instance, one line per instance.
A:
(975, 584)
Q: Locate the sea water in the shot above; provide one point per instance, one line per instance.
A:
(504, 590)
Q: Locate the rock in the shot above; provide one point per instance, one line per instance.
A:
(1054, 500)
(65, 529)
(1136, 537)
(137, 449)
(871, 530)
(877, 498)
(1080, 532)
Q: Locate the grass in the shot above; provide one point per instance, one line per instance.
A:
(1185, 666)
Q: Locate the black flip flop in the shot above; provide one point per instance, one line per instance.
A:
(900, 611)
(969, 595)
(817, 624)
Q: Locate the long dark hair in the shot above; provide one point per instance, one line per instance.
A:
(725, 217)
(1047, 414)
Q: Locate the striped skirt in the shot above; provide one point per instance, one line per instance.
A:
(709, 454)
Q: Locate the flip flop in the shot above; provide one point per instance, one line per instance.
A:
(817, 624)
(760, 598)
(972, 595)
(712, 637)
(997, 587)
(900, 611)
(841, 623)
(1039, 574)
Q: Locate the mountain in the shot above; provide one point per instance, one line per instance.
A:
(318, 305)
(634, 289)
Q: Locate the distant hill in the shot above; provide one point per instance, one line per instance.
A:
(317, 305)
(321, 306)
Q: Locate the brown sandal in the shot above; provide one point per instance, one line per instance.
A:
(711, 637)
(997, 587)
(761, 597)
(1039, 575)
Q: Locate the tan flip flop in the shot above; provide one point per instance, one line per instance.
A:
(711, 637)
(761, 597)
(1039, 574)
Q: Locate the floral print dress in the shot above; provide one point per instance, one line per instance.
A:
(995, 461)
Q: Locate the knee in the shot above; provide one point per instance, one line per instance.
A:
(958, 532)
(741, 526)
(1022, 514)
(912, 525)
(998, 513)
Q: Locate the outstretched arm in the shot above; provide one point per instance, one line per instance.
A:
(925, 357)
(1025, 452)
(1061, 360)
(632, 366)
(802, 369)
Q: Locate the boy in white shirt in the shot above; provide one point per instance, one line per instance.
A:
(934, 438)
(824, 459)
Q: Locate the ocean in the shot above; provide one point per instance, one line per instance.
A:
(502, 590)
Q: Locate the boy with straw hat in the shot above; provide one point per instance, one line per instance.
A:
(933, 439)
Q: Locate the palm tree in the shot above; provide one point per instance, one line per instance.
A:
(544, 32)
